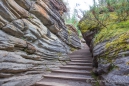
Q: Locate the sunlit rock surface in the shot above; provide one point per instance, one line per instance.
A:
(33, 40)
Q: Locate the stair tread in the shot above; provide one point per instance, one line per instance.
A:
(58, 82)
(83, 61)
(76, 66)
(73, 70)
(70, 67)
(68, 77)
(79, 59)
(73, 63)
(83, 65)
(73, 55)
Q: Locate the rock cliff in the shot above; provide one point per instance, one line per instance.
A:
(107, 34)
(33, 40)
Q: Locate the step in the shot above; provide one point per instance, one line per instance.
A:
(88, 58)
(61, 82)
(67, 77)
(42, 84)
(83, 61)
(80, 59)
(80, 55)
(82, 51)
(70, 75)
(81, 64)
(77, 67)
(72, 72)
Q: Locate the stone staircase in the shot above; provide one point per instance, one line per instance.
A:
(75, 73)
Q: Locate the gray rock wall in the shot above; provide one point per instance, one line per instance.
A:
(33, 40)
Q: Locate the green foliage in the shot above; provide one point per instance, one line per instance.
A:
(101, 16)
(59, 54)
(96, 81)
(72, 49)
(111, 20)
(117, 35)
(112, 31)
(74, 21)
(119, 44)
(30, 17)
(69, 32)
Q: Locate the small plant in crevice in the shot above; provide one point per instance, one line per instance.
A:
(72, 49)
(127, 63)
(30, 17)
(59, 54)
(23, 38)
(95, 82)
(112, 67)
(47, 69)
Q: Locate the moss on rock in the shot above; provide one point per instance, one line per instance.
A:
(112, 28)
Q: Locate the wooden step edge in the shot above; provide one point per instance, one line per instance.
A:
(41, 84)
(83, 61)
(71, 72)
(68, 78)
(86, 68)
(76, 66)
(80, 64)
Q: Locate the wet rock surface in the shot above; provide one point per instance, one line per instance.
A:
(33, 39)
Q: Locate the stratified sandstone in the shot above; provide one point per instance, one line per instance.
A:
(33, 40)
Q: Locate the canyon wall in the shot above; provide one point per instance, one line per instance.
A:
(33, 40)
(107, 34)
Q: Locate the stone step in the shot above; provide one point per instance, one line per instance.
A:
(82, 61)
(82, 56)
(77, 67)
(68, 77)
(81, 53)
(82, 50)
(72, 56)
(88, 57)
(81, 64)
(71, 72)
(61, 82)
(41, 84)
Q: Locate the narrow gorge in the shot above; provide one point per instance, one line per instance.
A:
(39, 48)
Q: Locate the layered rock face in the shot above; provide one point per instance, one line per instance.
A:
(107, 36)
(33, 40)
